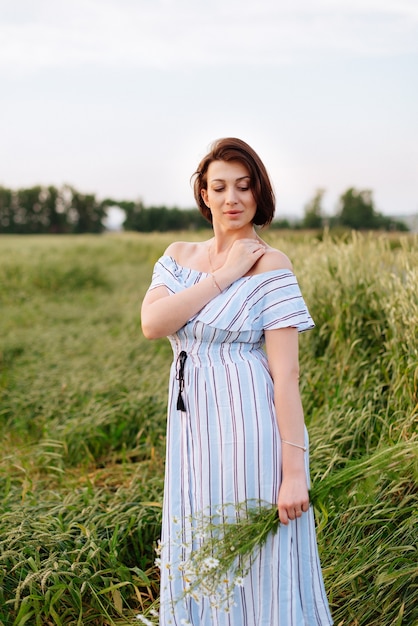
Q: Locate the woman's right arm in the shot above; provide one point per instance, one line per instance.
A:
(161, 316)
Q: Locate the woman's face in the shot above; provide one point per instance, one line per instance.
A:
(228, 195)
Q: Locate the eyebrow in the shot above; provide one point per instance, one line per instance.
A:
(221, 180)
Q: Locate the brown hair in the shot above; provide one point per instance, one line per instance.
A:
(231, 149)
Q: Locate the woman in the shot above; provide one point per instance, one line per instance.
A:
(232, 309)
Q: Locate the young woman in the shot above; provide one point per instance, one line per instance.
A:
(232, 309)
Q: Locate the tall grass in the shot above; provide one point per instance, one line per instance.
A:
(82, 419)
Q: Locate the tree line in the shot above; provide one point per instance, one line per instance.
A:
(40, 210)
(356, 210)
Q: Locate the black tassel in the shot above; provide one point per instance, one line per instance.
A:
(180, 403)
(181, 359)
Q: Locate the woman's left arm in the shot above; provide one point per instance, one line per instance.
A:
(283, 357)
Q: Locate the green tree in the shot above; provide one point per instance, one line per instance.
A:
(280, 224)
(6, 211)
(314, 214)
(356, 210)
(55, 210)
(389, 223)
(36, 210)
(28, 212)
(135, 215)
(85, 212)
(160, 218)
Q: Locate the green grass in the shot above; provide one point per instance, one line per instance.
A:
(82, 419)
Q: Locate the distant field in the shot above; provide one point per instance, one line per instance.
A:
(82, 419)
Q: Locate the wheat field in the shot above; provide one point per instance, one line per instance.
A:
(82, 418)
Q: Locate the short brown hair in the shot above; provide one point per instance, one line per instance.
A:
(232, 149)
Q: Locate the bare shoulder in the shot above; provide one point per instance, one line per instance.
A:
(273, 259)
(178, 249)
(185, 252)
(175, 248)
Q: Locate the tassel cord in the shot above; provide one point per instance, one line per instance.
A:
(181, 360)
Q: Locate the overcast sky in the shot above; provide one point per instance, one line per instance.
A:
(123, 97)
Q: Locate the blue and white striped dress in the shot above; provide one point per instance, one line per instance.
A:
(224, 447)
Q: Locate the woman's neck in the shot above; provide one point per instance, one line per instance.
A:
(222, 241)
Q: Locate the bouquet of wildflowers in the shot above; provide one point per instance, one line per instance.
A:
(228, 543)
(226, 550)
(231, 539)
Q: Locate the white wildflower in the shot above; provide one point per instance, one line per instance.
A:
(200, 535)
(157, 562)
(239, 581)
(144, 620)
(210, 563)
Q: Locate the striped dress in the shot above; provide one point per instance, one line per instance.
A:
(223, 447)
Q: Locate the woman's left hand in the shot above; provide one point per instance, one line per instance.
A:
(293, 498)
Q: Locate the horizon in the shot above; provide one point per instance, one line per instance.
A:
(122, 99)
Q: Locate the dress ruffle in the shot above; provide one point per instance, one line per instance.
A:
(263, 301)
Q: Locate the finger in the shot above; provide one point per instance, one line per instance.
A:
(305, 507)
(291, 514)
(283, 517)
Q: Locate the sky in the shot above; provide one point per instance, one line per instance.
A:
(122, 98)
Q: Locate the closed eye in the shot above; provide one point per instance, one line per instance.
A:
(218, 189)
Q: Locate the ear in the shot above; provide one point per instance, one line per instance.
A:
(204, 194)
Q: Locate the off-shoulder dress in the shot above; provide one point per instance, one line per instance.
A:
(223, 448)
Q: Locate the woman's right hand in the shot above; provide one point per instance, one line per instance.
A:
(159, 320)
(244, 253)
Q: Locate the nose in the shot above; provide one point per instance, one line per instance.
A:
(231, 196)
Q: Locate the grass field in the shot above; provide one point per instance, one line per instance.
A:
(82, 418)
